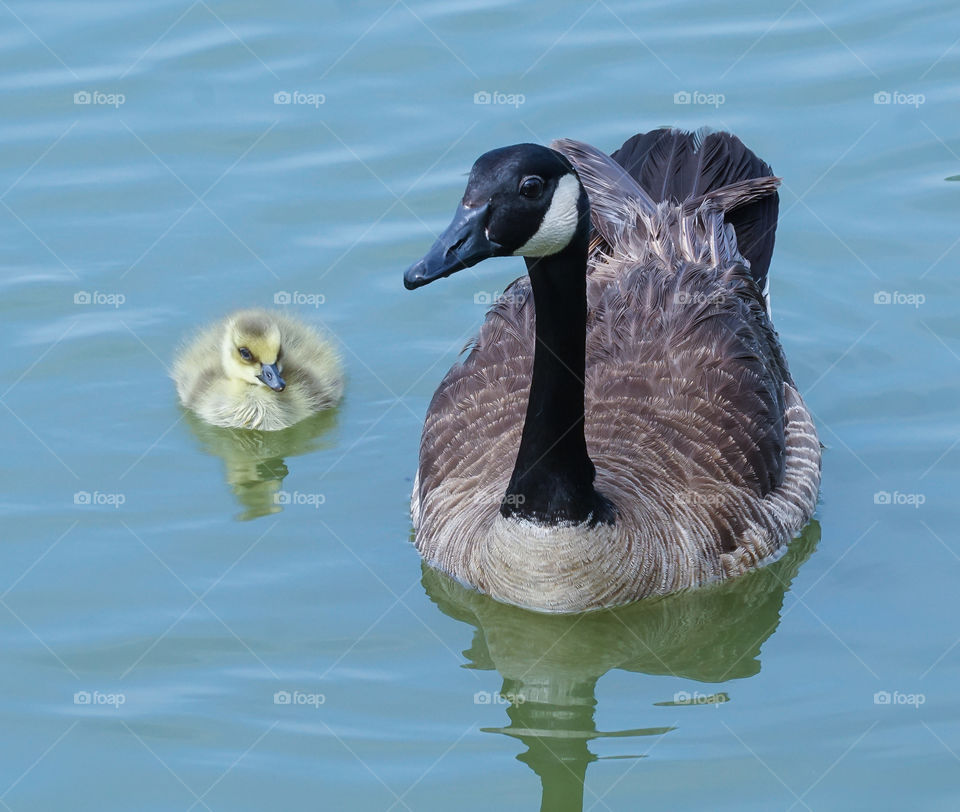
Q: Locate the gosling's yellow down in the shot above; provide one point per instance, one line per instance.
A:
(258, 369)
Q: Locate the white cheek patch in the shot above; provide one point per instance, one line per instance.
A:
(559, 223)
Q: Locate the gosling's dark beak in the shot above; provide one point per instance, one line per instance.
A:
(462, 245)
(270, 375)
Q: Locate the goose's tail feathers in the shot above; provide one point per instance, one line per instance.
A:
(682, 167)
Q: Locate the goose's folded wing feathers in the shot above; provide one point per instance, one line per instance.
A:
(674, 165)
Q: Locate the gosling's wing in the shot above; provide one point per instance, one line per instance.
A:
(196, 368)
(310, 362)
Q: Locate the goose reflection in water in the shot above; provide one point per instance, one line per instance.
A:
(255, 461)
(551, 664)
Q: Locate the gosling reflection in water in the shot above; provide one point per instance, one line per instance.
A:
(550, 664)
(255, 461)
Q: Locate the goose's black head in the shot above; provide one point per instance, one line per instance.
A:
(525, 200)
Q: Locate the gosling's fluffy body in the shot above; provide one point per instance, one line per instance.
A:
(224, 389)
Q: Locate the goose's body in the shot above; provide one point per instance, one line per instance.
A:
(706, 460)
(258, 369)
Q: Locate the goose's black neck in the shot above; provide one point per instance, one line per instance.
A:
(553, 476)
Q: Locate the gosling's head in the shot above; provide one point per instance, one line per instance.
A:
(525, 200)
(252, 350)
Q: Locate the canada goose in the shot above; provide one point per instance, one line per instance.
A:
(257, 369)
(625, 424)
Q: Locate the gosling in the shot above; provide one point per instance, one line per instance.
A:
(258, 369)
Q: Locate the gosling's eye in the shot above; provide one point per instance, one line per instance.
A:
(531, 187)
(245, 354)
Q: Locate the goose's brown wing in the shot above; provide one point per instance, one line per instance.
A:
(691, 361)
(674, 166)
(681, 322)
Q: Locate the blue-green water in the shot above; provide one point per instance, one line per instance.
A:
(181, 600)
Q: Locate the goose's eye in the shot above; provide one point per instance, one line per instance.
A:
(245, 354)
(531, 187)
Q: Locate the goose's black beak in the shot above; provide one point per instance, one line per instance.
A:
(270, 375)
(462, 245)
